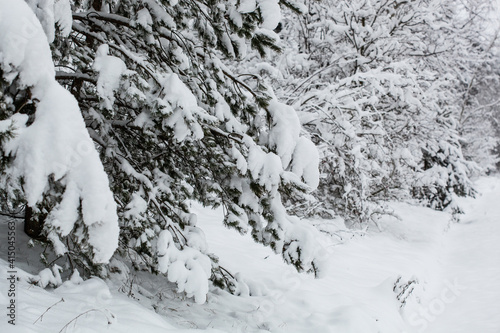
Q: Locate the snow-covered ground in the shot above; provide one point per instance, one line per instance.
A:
(473, 261)
(418, 274)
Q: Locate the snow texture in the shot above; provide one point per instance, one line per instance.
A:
(51, 13)
(296, 152)
(305, 163)
(144, 19)
(285, 130)
(110, 71)
(187, 267)
(247, 6)
(182, 109)
(271, 13)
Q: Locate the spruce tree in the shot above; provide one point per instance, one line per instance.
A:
(172, 124)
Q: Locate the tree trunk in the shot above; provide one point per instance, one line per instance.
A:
(33, 226)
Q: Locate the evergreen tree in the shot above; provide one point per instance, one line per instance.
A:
(171, 124)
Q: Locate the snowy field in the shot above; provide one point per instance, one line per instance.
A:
(419, 273)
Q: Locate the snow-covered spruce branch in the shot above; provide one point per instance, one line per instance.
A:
(75, 76)
(119, 48)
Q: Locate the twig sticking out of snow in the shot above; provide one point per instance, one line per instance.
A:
(86, 312)
(50, 307)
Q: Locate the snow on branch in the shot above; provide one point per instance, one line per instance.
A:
(56, 144)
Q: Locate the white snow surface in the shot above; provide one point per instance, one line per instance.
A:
(454, 266)
(472, 261)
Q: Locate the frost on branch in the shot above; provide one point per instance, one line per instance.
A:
(52, 146)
